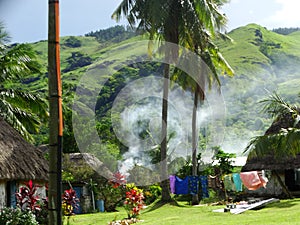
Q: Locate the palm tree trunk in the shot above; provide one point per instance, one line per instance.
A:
(166, 197)
(55, 122)
(284, 187)
(195, 199)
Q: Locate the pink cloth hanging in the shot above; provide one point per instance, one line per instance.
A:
(253, 179)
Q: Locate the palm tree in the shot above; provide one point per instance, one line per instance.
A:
(211, 65)
(22, 110)
(177, 22)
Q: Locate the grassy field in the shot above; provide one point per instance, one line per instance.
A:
(283, 212)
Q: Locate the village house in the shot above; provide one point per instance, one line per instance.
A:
(20, 162)
(283, 172)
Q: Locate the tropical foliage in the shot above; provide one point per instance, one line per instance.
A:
(285, 140)
(21, 109)
(17, 216)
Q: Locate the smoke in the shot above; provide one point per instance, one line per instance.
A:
(136, 114)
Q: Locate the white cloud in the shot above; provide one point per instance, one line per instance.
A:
(287, 16)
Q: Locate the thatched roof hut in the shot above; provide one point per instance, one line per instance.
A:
(90, 160)
(270, 162)
(19, 159)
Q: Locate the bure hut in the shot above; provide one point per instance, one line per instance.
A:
(283, 172)
(20, 162)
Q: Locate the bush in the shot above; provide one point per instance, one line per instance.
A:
(10, 216)
(151, 193)
(73, 42)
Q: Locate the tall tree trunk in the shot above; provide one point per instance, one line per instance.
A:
(55, 122)
(166, 197)
(283, 186)
(195, 199)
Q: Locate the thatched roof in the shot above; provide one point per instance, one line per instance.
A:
(92, 161)
(19, 160)
(282, 122)
(270, 162)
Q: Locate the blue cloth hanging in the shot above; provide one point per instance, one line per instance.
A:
(204, 186)
(181, 186)
(193, 184)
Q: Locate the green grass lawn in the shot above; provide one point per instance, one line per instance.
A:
(283, 212)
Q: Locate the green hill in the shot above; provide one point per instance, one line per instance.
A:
(263, 61)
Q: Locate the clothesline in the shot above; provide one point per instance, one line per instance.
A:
(252, 180)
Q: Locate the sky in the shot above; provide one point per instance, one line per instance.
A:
(26, 20)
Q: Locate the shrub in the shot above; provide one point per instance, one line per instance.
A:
(69, 202)
(113, 192)
(10, 216)
(134, 201)
(73, 42)
(28, 200)
(151, 193)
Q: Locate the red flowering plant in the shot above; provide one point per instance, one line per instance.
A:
(134, 201)
(69, 202)
(118, 180)
(27, 199)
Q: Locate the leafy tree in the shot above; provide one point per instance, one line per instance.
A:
(286, 30)
(73, 42)
(22, 110)
(77, 60)
(225, 160)
(114, 34)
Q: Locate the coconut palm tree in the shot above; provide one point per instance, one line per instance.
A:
(22, 110)
(211, 66)
(173, 21)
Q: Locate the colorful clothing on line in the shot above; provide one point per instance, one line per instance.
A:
(253, 180)
(193, 184)
(204, 186)
(172, 183)
(228, 183)
(181, 185)
(237, 182)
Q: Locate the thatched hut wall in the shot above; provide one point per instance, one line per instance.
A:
(20, 162)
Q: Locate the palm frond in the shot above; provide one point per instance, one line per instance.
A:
(32, 102)
(17, 119)
(275, 106)
(285, 143)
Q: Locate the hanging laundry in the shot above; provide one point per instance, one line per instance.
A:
(228, 183)
(193, 184)
(172, 183)
(204, 186)
(263, 179)
(212, 181)
(181, 185)
(237, 182)
(253, 180)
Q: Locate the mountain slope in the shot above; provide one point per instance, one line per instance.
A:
(263, 61)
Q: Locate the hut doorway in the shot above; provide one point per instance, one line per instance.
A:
(11, 189)
(292, 179)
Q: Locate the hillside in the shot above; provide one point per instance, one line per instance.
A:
(263, 61)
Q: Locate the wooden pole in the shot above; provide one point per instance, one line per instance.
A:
(56, 120)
